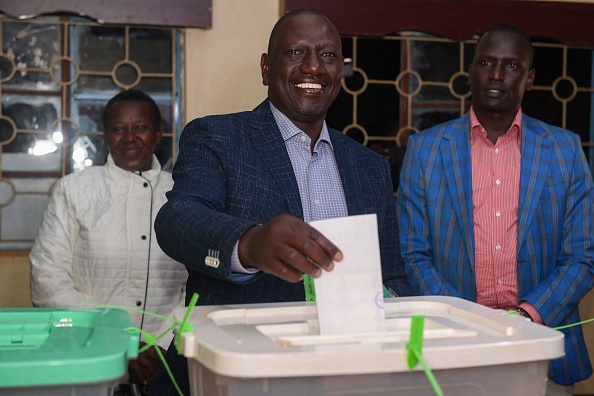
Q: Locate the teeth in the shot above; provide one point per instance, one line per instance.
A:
(308, 86)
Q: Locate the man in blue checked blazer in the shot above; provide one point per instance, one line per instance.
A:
(246, 184)
(496, 207)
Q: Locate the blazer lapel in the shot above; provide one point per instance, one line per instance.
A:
(536, 156)
(345, 164)
(268, 142)
(457, 166)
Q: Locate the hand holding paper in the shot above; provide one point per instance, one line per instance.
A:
(287, 247)
(350, 297)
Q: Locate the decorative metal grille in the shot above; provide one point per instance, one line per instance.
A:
(56, 75)
(399, 85)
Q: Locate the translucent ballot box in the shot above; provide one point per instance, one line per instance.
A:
(276, 349)
(56, 352)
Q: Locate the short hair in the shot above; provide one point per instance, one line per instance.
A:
(513, 29)
(284, 18)
(132, 95)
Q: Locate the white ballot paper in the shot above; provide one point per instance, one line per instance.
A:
(350, 298)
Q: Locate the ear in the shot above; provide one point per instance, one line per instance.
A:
(530, 79)
(264, 67)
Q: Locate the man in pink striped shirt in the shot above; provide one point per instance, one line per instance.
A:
(496, 207)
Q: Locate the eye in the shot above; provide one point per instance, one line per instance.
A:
(140, 128)
(485, 62)
(512, 65)
(116, 129)
(294, 52)
(328, 54)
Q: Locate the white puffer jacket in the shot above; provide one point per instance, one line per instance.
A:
(96, 243)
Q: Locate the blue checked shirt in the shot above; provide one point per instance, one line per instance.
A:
(320, 187)
(318, 179)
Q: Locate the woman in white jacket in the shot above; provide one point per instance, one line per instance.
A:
(96, 242)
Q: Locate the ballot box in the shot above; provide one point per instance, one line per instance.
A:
(277, 349)
(55, 352)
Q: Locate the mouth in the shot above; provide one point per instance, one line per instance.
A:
(130, 150)
(309, 86)
(494, 93)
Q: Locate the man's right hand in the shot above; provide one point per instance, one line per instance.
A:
(282, 247)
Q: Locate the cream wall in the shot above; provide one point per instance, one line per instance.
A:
(14, 280)
(222, 64)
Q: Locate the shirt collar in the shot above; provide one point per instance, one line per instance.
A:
(477, 128)
(149, 174)
(288, 129)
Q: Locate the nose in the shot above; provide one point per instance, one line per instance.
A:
(312, 64)
(129, 134)
(497, 72)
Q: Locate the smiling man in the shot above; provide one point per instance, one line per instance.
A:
(247, 184)
(496, 207)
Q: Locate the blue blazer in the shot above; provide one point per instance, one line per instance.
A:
(233, 171)
(555, 225)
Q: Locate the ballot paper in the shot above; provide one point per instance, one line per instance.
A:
(350, 298)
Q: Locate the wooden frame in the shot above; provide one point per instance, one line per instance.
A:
(179, 13)
(568, 23)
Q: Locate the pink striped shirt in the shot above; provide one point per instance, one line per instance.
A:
(495, 197)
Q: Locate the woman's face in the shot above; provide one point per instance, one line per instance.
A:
(131, 135)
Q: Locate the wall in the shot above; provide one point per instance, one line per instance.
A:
(230, 79)
(14, 279)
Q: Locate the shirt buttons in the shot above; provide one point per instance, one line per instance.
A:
(316, 201)
(496, 151)
(138, 303)
(498, 213)
(498, 182)
(145, 184)
(303, 138)
(499, 281)
(498, 247)
(143, 237)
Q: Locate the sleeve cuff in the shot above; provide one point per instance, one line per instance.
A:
(236, 266)
(532, 312)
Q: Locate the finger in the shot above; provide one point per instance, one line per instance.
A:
(318, 248)
(295, 255)
(330, 249)
(287, 272)
(282, 270)
(303, 265)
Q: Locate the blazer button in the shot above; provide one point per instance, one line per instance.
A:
(138, 303)
(145, 184)
(143, 237)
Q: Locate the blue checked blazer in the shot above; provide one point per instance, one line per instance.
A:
(233, 171)
(555, 225)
